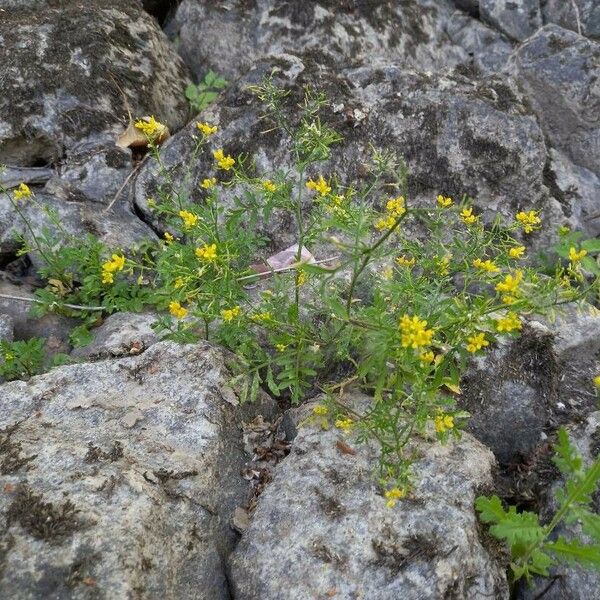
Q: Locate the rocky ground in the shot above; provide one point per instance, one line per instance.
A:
(136, 473)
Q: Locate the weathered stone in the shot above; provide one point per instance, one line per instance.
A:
(457, 135)
(123, 478)
(510, 393)
(518, 19)
(568, 582)
(336, 33)
(122, 334)
(558, 70)
(54, 328)
(568, 13)
(72, 70)
(322, 529)
(6, 328)
(118, 228)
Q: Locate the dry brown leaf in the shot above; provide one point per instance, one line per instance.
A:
(344, 448)
(132, 137)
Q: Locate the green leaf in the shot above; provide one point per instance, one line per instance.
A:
(490, 509)
(592, 245)
(566, 458)
(573, 552)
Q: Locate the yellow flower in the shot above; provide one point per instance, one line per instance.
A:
(444, 202)
(387, 273)
(207, 252)
(264, 316)
(229, 314)
(516, 252)
(597, 381)
(224, 162)
(443, 423)
(177, 310)
(476, 342)
(320, 186)
(530, 221)
(22, 192)
(117, 263)
(405, 262)
(443, 264)
(385, 222)
(392, 496)
(320, 410)
(510, 285)
(150, 127)
(301, 278)
(179, 282)
(575, 256)
(509, 323)
(189, 219)
(168, 237)
(467, 216)
(269, 186)
(207, 129)
(280, 347)
(344, 424)
(396, 206)
(485, 265)
(209, 183)
(414, 332)
(427, 357)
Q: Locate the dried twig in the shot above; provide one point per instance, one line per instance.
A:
(65, 305)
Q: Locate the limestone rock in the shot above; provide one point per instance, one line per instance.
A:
(122, 334)
(558, 71)
(122, 477)
(322, 528)
(72, 69)
(517, 19)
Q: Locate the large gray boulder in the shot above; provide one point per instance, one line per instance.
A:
(558, 71)
(120, 477)
(458, 135)
(335, 33)
(574, 14)
(73, 69)
(516, 19)
(322, 529)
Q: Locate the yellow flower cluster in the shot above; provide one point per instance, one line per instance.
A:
(209, 183)
(229, 314)
(405, 262)
(414, 332)
(485, 265)
(510, 322)
(392, 496)
(443, 264)
(177, 310)
(109, 268)
(269, 186)
(224, 162)
(468, 217)
(597, 381)
(575, 256)
(510, 286)
(320, 410)
(530, 220)
(476, 342)
(280, 347)
(150, 127)
(262, 317)
(427, 357)
(206, 129)
(22, 192)
(168, 238)
(443, 423)
(344, 424)
(208, 252)
(320, 186)
(444, 202)
(516, 252)
(396, 206)
(189, 219)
